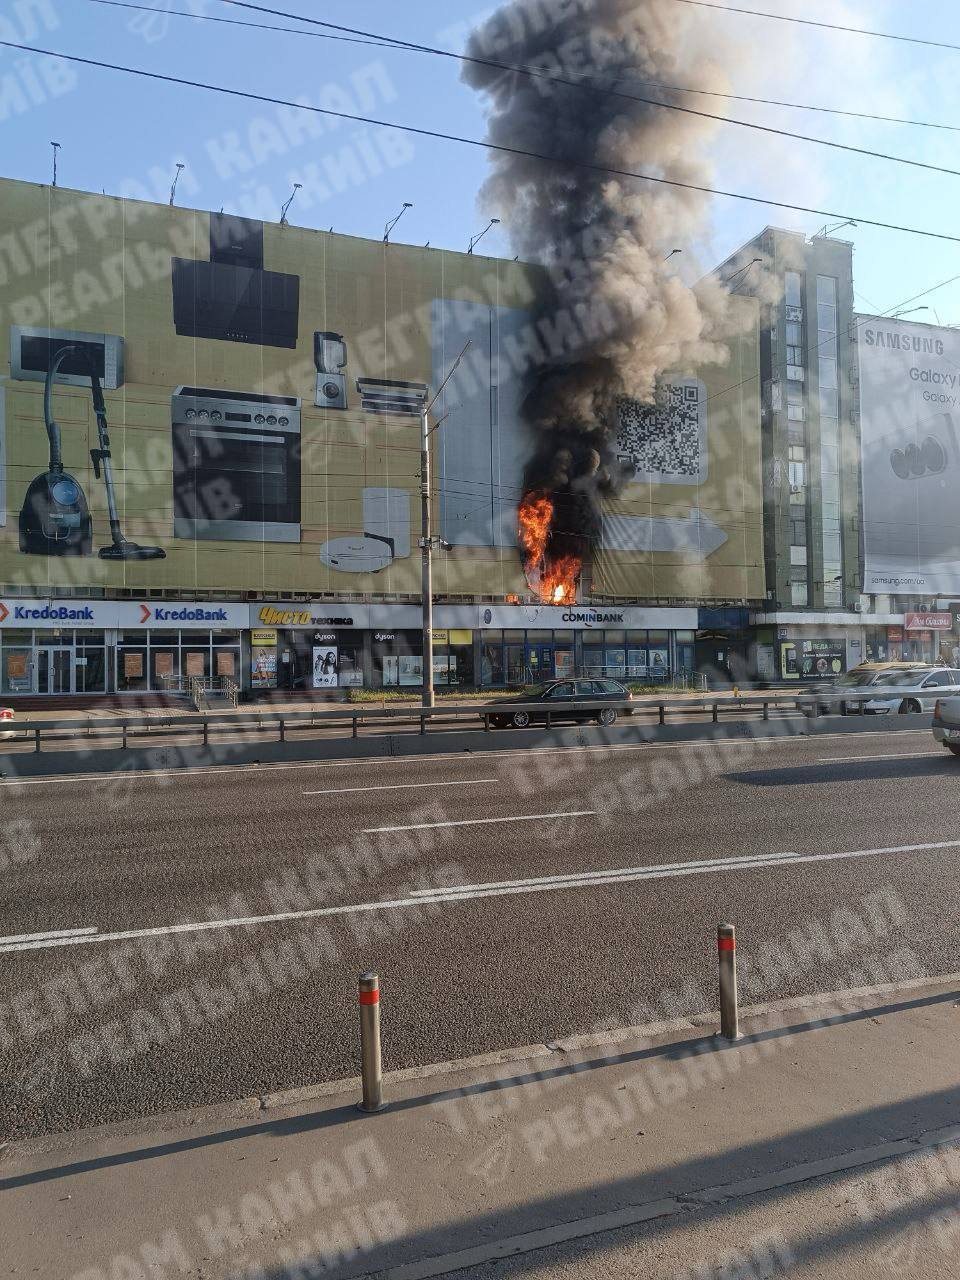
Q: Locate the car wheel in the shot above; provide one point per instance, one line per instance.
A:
(909, 705)
(607, 716)
(953, 749)
(520, 719)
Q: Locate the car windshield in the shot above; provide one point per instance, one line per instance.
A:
(856, 679)
(904, 675)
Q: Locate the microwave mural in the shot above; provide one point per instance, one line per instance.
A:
(910, 439)
(196, 401)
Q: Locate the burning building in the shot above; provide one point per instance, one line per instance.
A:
(571, 104)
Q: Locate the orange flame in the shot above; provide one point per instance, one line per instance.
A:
(554, 578)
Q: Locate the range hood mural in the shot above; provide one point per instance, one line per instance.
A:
(232, 298)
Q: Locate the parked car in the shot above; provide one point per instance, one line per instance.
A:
(946, 723)
(7, 716)
(837, 696)
(911, 691)
(563, 699)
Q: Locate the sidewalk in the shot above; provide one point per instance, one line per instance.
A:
(820, 1144)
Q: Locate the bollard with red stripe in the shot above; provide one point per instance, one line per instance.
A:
(371, 1070)
(727, 959)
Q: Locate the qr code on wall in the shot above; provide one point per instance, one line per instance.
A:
(666, 441)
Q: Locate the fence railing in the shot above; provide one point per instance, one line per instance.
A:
(85, 734)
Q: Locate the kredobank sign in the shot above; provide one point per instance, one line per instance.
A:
(103, 615)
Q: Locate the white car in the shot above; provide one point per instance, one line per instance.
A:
(844, 693)
(906, 692)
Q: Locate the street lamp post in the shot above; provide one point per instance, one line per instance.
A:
(426, 556)
(427, 539)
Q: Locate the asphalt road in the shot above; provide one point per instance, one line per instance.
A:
(200, 933)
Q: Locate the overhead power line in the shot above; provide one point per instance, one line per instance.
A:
(387, 42)
(586, 84)
(484, 145)
(827, 26)
(237, 22)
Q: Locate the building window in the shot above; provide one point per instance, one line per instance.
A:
(798, 555)
(798, 593)
(793, 288)
(794, 336)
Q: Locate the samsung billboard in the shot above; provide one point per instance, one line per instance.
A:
(910, 414)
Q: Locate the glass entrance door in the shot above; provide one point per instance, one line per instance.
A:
(540, 662)
(55, 671)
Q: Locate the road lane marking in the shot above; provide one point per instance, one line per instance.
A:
(48, 935)
(479, 822)
(751, 862)
(903, 755)
(403, 786)
(616, 873)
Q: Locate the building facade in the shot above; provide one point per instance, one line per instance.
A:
(223, 482)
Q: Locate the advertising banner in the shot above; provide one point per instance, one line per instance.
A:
(263, 665)
(910, 430)
(324, 666)
(812, 659)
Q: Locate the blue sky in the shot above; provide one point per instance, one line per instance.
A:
(125, 135)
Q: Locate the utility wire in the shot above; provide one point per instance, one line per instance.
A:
(586, 84)
(827, 26)
(238, 22)
(387, 42)
(486, 146)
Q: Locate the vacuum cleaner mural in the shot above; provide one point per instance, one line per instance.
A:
(55, 518)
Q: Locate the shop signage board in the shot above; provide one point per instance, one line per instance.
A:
(584, 617)
(124, 615)
(928, 621)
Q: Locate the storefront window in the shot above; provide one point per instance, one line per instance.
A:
(91, 669)
(131, 668)
(398, 660)
(17, 669)
(658, 655)
(686, 653)
(515, 663)
(491, 662)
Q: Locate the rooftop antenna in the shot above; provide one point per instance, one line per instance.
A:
(176, 179)
(56, 148)
(393, 221)
(494, 222)
(283, 211)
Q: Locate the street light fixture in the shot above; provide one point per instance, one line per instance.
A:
(742, 272)
(283, 211)
(393, 221)
(827, 230)
(494, 222)
(897, 315)
(671, 253)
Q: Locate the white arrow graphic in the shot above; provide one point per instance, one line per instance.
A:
(695, 534)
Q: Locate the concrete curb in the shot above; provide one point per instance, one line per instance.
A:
(847, 1000)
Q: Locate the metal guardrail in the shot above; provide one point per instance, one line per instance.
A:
(88, 732)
